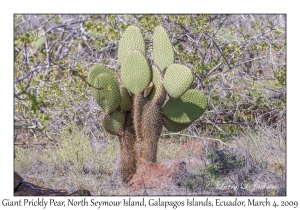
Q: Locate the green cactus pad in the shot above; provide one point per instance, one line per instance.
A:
(135, 72)
(177, 80)
(96, 70)
(174, 126)
(163, 54)
(114, 122)
(132, 39)
(108, 98)
(125, 103)
(186, 109)
(158, 93)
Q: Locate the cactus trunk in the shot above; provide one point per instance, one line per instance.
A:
(140, 137)
(138, 103)
(127, 150)
(151, 128)
(136, 109)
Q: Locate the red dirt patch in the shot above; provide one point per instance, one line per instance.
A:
(158, 176)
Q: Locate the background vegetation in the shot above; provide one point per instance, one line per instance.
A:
(239, 62)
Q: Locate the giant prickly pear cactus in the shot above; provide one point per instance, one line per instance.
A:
(146, 98)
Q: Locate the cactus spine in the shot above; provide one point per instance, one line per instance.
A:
(145, 97)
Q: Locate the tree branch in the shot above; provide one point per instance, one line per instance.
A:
(219, 49)
(33, 69)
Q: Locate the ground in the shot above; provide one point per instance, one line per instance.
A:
(251, 164)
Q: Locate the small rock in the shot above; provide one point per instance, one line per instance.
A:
(17, 180)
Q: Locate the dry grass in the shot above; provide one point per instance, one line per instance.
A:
(255, 157)
(266, 146)
(74, 164)
(252, 164)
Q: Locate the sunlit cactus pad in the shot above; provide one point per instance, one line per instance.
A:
(177, 80)
(108, 98)
(186, 109)
(132, 39)
(114, 122)
(135, 72)
(174, 126)
(163, 54)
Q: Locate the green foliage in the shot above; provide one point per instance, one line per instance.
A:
(35, 103)
(38, 43)
(213, 170)
(36, 106)
(188, 183)
(149, 21)
(226, 35)
(223, 161)
(280, 75)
